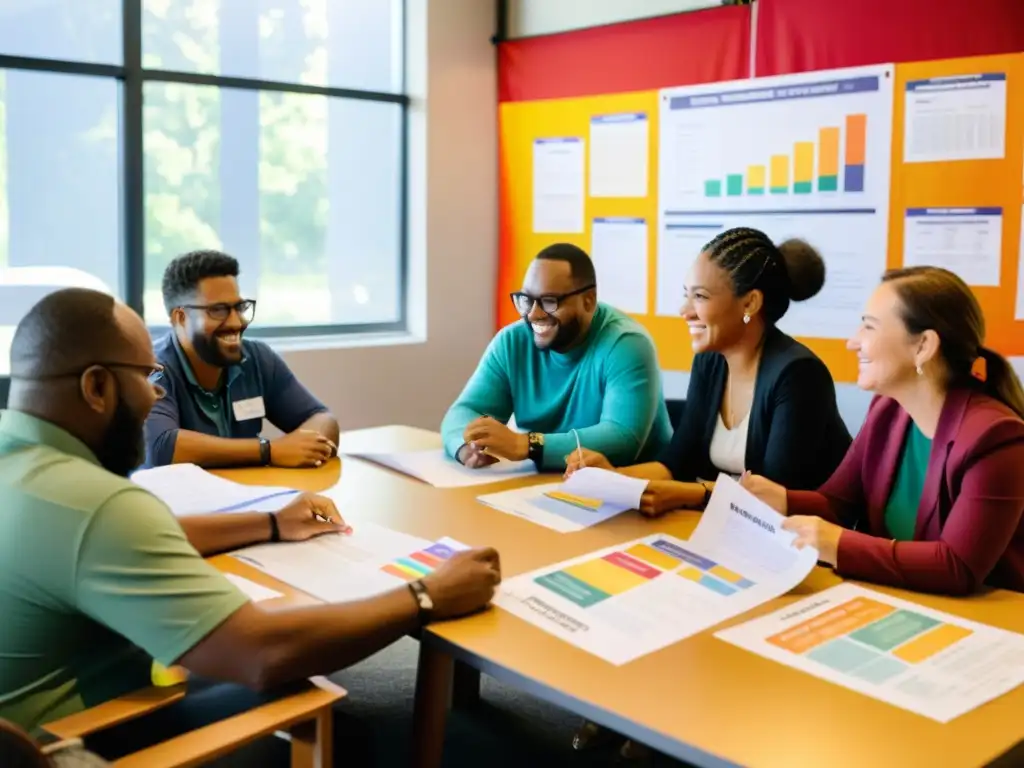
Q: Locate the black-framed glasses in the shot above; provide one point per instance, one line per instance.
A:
(151, 370)
(549, 303)
(246, 309)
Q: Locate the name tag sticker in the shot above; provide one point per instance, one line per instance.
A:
(252, 408)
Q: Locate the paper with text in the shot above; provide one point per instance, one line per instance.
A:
(967, 241)
(438, 469)
(619, 155)
(629, 600)
(618, 246)
(962, 117)
(931, 663)
(590, 496)
(337, 568)
(558, 189)
(189, 490)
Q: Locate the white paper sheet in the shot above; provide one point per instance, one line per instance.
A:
(439, 470)
(929, 662)
(955, 118)
(256, 592)
(626, 601)
(619, 250)
(619, 155)
(558, 190)
(339, 568)
(1019, 314)
(967, 241)
(817, 167)
(188, 490)
(616, 493)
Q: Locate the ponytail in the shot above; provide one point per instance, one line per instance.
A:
(999, 380)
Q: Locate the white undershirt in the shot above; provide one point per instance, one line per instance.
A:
(728, 449)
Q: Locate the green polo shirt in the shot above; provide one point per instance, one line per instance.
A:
(97, 578)
(213, 403)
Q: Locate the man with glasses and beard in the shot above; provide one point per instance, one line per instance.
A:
(220, 387)
(98, 578)
(574, 368)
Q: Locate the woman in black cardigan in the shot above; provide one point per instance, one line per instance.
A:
(758, 400)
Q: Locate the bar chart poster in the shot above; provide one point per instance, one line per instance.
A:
(804, 156)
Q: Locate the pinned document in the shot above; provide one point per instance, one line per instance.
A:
(590, 496)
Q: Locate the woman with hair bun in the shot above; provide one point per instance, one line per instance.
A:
(931, 495)
(758, 400)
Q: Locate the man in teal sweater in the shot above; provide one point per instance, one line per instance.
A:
(573, 364)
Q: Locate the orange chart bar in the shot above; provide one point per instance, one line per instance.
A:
(856, 138)
(828, 159)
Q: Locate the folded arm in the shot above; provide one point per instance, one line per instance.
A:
(289, 404)
(631, 400)
(982, 522)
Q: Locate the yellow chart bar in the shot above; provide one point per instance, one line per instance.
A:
(828, 152)
(780, 173)
(803, 156)
(755, 177)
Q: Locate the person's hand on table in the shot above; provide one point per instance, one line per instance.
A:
(307, 516)
(772, 494)
(585, 458)
(474, 458)
(489, 436)
(659, 497)
(301, 448)
(464, 583)
(812, 531)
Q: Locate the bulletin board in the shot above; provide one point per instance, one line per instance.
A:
(967, 187)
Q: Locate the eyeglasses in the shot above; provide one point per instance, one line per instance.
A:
(549, 303)
(246, 309)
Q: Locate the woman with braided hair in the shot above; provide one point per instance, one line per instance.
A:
(758, 400)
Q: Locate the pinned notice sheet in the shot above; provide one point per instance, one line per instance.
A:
(190, 490)
(619, 155)
(590, 496)
(925, 661)
(618, 247)
(967, 241)
(436, 468)
(558, 191)
(955, 118)
(629, 600)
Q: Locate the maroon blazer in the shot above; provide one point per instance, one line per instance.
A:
(969, 523)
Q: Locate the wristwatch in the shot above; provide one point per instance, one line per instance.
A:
(264, 451)
(535, 451)
(423, 599)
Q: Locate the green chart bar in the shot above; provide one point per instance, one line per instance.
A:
(734, 184)
(755, 190)
(713, 188)
(828, 183)
(803, 187)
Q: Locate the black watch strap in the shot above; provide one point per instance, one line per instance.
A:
(264, 452)
(275, 532)
(535, 451)
(423, 600)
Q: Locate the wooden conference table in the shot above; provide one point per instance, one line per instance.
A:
(701, 700)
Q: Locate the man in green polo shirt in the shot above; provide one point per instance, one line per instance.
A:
(98, 578)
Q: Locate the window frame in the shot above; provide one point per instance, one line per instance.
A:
(133, 76)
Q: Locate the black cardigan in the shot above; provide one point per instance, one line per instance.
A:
(795, 434)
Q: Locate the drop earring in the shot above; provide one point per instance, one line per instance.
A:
(746, 319)
(920, 371)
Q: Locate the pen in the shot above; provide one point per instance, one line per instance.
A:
(579, 448)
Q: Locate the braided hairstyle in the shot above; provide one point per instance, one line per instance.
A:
(792, 271)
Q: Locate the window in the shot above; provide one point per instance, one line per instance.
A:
(132, 131)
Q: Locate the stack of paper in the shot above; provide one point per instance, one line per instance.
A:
(439, 470)
(189, 490)
(626, 601)
(588, 497)
(337, 568)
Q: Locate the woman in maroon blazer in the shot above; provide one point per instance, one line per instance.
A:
(930, 495)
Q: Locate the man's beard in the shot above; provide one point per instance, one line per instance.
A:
(209, 350)
(124, 444)
(567, 334)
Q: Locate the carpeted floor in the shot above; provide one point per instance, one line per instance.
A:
(507, 729)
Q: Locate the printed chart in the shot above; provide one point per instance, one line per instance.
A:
(928, 662)
(424, 561)
(627, 601)
(796, 156)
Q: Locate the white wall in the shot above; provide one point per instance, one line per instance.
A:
(543, 17)
(453, 186)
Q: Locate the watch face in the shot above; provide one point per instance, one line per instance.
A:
(425, 602)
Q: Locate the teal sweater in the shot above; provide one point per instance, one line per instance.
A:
(608, 388)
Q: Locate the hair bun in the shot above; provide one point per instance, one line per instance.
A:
(805, 267)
